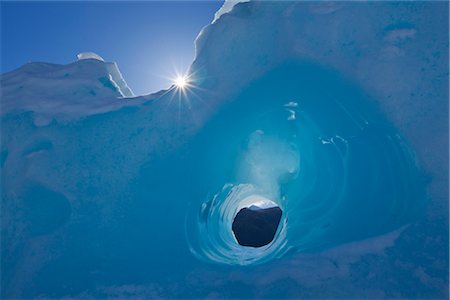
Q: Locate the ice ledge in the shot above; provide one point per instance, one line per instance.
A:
(114, 74)
(64, 92)
(89, 55)
(226, 8)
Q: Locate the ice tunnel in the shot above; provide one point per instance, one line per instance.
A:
(256, 227)
(306, 138)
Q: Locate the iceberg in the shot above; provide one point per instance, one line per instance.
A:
(289, 106)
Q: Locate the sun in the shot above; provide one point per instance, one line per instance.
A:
(180, 82)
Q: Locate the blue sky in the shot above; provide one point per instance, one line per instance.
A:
(149, 40)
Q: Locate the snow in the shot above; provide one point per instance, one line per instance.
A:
(109, 194)
(89, 55)
(226, 7)
(64, 92)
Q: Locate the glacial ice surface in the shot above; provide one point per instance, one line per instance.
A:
(336, 112)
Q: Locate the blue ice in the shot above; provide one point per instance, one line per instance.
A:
(334, 112)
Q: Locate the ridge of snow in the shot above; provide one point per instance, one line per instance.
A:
(89, 55)
(117, 78)
(226, 7)
(84, 87)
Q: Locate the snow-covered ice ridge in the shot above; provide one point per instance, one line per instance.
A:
(87, 86)
(96, 182)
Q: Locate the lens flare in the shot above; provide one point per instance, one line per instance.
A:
(181, 82)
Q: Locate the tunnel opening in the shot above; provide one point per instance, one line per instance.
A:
(256, 226)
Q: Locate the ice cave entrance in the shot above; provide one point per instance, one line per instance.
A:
(257, 224)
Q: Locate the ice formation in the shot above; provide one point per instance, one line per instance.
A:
(64, 92)
(226, 8)
(342, 124)
(89, 55)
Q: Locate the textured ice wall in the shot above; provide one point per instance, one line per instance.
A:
(82, 177)
(50, 91)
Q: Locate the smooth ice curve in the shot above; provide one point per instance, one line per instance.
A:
(89, 55)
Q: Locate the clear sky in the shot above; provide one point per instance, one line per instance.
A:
(148, 40)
